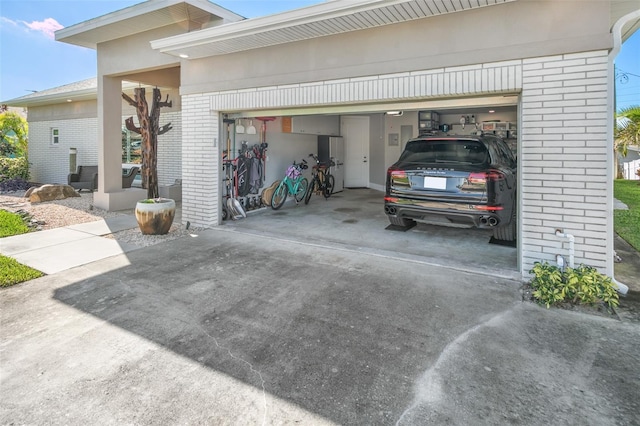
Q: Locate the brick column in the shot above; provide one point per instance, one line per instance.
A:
(564, 158)
(200, 162)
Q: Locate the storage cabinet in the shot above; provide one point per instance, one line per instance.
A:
(312, 125)
(490, 126)
(428, 121)
(503, 129)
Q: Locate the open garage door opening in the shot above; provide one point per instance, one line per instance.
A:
(370, 142)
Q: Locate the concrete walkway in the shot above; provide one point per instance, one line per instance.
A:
(60, 249)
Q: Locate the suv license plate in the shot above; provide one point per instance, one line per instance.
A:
(435, 182)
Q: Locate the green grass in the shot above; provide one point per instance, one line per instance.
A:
(627, 222)
(11, 224)
(12, 272)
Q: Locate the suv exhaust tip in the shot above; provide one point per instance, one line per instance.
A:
(390, 210)
(488, 221)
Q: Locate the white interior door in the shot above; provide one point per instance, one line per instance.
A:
(355, 131)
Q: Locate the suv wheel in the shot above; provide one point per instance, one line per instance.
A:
(507, 232)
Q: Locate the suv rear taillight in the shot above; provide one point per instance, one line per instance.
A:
(396, 174)
(397, 178)
(483, 177)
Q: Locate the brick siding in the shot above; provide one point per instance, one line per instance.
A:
(564, 151)
(200, 162)
(50, 164)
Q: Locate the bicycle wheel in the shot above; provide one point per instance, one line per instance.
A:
(302, 189)
(279, 196)
(310, 189)
(329, 181)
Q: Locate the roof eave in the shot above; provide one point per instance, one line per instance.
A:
(57, 98)
(72, 34)
(85, 94)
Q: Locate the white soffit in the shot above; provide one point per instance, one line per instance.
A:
(145, 16)
(324, 19)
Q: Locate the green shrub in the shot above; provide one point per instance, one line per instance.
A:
(12, 272)
(11, 168)
(12, 224)
(581, 285)
(626, 223)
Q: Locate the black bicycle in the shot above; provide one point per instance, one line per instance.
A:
(322, 181)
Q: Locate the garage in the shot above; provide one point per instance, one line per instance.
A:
(372, 138)
(348, 64)
(369, 141)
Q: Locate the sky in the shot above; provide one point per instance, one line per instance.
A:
(31, 60)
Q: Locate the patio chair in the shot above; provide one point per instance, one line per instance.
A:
(85, 177)
(128, 176)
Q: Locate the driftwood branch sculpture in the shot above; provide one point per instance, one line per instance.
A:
(149, 129)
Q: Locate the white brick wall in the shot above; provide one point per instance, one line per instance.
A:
(200, 162)
(170, 149)
(563, 157)
(50, 164)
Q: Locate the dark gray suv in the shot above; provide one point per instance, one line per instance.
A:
(464, 180)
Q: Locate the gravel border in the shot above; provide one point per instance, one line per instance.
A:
(75, 210)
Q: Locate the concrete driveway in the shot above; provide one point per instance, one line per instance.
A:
(233, 328)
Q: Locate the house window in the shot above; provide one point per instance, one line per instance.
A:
(55, 136)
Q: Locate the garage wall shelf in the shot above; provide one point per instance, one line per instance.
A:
(428, 121)
(312, 125)
(490, 126)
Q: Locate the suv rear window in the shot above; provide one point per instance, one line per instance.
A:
(445, 151)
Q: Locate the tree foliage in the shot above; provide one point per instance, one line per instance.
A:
(627, 130)
(14, 132)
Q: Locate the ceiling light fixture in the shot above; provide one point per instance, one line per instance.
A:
(394, 113)
(184, 56)
(491, 111)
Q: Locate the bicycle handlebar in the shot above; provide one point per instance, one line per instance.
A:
(331, 163)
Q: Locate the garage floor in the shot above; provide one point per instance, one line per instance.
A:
(355, 218)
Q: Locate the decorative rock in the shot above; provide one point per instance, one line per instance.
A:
(50, 193)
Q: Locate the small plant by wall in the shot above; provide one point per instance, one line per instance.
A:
(581, 285)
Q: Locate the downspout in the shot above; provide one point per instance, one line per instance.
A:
(616, 32)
